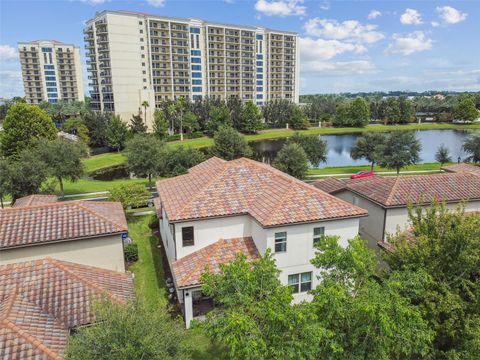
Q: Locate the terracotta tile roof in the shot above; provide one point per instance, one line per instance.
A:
(41, 300)
(187, 270)
(400, 190)
(243, 186)
(67, 220)
(462, 168)
(330, 185)
(32, 200)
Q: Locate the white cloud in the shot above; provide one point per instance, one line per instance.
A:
(94, 2)
(320, 49)
(409, 44)
(350, 30)
(325, 5)
(411, 17)
(8, 52)
(338, 68)
(11, 84)
(280, 7)
(435, 23)
(374, 14)
(156, 3)
(450, 15)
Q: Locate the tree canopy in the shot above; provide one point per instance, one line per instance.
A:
(293, 160)
(23, 125)
(230, 144)
(400, 149)
(144, 156)
(314, 147)
(368, 146)
(116, 133)
(472, 147)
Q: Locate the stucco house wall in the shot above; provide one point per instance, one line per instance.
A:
(105, 252)
(371, 226)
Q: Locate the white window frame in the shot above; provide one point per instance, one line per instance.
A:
(299, 281)
(317, 237)
(281, 240)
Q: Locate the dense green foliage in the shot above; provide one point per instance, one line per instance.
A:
(353, 114)
(400, 149)
(442, 155)
(293, 160)
(229, 144)
(466, 110)
(130, 195)
(445, 255)
(96, 123)
(23, 126)
(472, 147)
(314, 147)
(250, 118)
(137, 125)
(63, 159)
(116, 133)
(160, 124)
(254, 317)
(368, 146)
(177, 161)
(218, 117)
(144, 156)
(130, 331)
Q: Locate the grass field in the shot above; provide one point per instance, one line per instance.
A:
(102, 161)
(150, 282)
(85, 186)
(354, 169)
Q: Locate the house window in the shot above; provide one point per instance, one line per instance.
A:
(280, 242)
(355, 200)
(187, 236)
(318, 234)
(300, 282)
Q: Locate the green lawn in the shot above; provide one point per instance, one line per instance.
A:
(97, 162)
(354, 169)
(150, 282)
(102, 161)
(85, 186)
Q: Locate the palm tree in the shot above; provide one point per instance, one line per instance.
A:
(145, 104)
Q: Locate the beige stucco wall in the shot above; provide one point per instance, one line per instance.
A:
(103, 252)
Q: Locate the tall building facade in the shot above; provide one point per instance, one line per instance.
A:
(136, 57)
(51, 71)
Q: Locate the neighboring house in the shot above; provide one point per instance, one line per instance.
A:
(462, 168)
(83, 232)
(221, 208)
(41, 301)
(32, 200)
(386, 198)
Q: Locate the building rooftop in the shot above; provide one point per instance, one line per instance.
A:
(40, 301)
(462, 168)
(188, 270)
(32, 200)
(391, 191)
(60, 221)
(218, 188)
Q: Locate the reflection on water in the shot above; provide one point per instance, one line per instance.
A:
(339, 146)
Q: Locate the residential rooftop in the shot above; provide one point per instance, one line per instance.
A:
(188, 270)
(60, 221)
(394, 191)
(33, 200)
(462, 168)
(217, 188)
(40, 301)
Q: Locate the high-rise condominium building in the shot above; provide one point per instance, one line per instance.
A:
(51, 71)
(136, 57)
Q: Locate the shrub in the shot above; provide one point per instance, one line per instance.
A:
(130, 253)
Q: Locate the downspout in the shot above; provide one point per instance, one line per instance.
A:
(384, 223)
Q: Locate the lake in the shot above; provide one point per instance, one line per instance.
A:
(339, 146)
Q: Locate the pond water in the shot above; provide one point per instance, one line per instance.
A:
(339, 146)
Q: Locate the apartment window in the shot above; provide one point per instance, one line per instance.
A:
(51, 83)
(259, 63)
(45, 49)
(196, 60)
(196, 82)
(141, 39)
(196, 52)
(195, 30)
(47, 78)
(259, 89)
(260, 82)
(318, 234)
(281, 241)
(142, 47)
(140, 23)
(48, 67)
(144, 80)
(259, 56)
(259, 96)
(187, 236)
(143, 64)
(49, 72)
(196, 75)
(141, 31)
(300, 282)
(197, 67)
(259, 76)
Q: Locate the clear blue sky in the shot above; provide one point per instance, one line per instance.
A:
(345, 45)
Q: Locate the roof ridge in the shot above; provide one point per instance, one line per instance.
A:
(392, 190)
(53, 204)
(9, 303)
(207, 184)
(62, 266)
(37, 344)
(81, 204)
